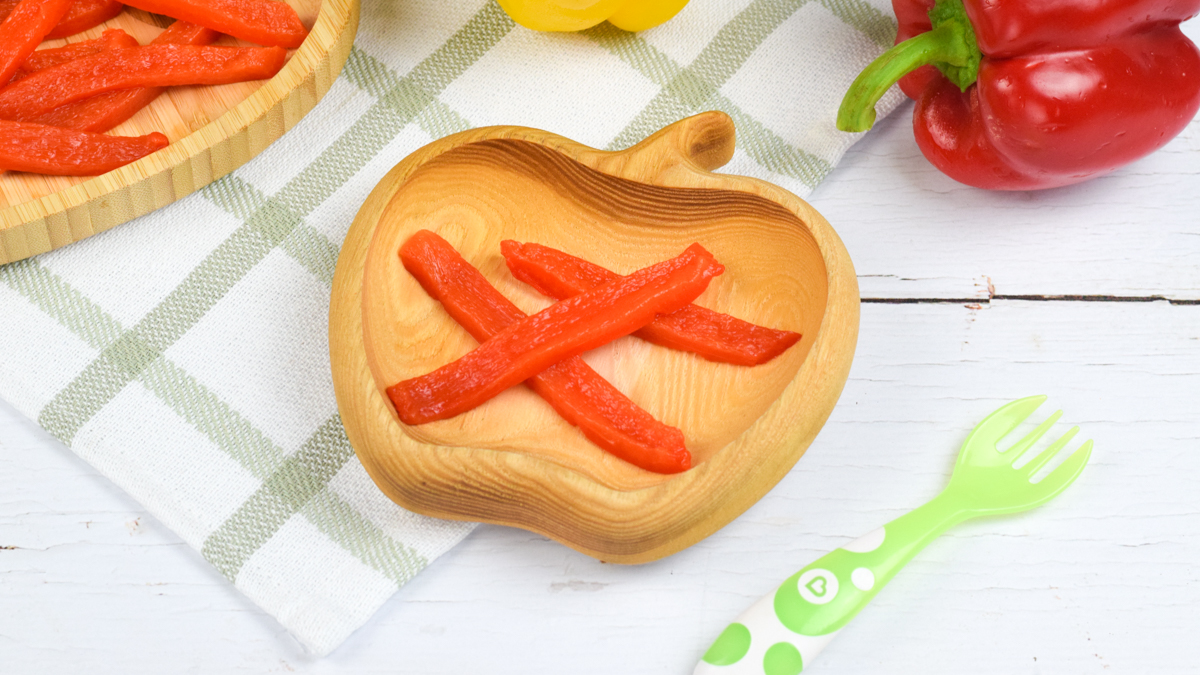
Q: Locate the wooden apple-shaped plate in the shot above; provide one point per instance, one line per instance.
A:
(213, 130)
(513, 461)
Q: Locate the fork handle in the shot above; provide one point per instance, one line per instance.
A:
(785, 630)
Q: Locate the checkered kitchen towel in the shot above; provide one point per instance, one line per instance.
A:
(185, 354)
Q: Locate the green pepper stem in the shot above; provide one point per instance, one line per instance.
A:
(950, 45)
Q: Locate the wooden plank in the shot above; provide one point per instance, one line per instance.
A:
(1098, 581)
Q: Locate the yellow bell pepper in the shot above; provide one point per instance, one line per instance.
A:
(568, 15)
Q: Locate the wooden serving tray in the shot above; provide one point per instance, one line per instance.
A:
(513, 461)
(213, 130)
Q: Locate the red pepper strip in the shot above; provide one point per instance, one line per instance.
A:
(83, 15)
(148, 66)
(24, 29)
(42, 59)
(186, 33)
(1031, 95)
(102, 112)
(576, 392)
(37, 148)
(265, 22)
(565, 329)
(712, 335)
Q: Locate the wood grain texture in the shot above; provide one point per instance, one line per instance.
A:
(213, 130)
(1099, 581)
(512, 460)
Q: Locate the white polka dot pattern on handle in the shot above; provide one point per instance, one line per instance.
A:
(863, 579)
(766, 630)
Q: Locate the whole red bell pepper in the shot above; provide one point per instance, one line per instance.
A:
(1021, 95)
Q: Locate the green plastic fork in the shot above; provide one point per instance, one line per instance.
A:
(784, 631)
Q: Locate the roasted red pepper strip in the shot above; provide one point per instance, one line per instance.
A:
(48, 58)
(24, 29)
(576, 392)
(712, 335)
(37, 148)
(53, 56)
(264, 22)
(185, 33)
(104, 111)
(565, 329)
(1030, 95)
(82, 15)
(161, 65)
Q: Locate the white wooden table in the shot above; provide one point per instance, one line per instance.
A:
(1089, 294)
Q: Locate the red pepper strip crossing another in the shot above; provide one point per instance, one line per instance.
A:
(265, 22)
(712, 335)
(82, 15)
(53, 56)
(102, 112)
(24, 29)
(1030, 95)
(565, 329)
(65, 152)
(576, 392)
(161, 65)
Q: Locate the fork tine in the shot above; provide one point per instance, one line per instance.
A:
(1003, 420)
(1068, 471)
(1018, 449)
(1049, 453)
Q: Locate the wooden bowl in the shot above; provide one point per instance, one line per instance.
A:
(513, 461)
(213, 130)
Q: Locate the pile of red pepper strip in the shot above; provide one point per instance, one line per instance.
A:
(576, 392)
(1016, 95)
(48, 58)
(712, 335)
(161, 65)
(542, 350)
(91, 86)
(102, 112)
(565, 329)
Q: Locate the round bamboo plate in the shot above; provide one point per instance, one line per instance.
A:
(213, 130)
(513, 461)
